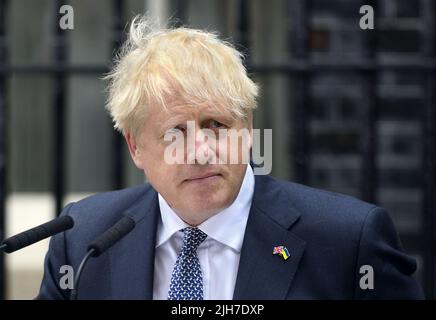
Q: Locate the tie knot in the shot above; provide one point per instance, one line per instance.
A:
(192, 238)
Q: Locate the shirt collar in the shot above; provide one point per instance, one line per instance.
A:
(227, 226)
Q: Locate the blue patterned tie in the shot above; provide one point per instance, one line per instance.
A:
(187, 279)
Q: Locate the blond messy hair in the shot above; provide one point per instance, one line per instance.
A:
(154, 64)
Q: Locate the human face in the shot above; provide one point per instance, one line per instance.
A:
(194, 190)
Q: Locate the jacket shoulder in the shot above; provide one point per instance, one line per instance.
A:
(112, 199)
(96, 213)
(311, 200)
(321, 211)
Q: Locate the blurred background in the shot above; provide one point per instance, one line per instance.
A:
(351, 110)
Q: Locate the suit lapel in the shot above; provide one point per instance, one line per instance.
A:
(132, 259)
(261, 274)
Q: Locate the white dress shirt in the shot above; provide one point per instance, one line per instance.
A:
(218, 255)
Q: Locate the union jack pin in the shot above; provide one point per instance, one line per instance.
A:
(282, 251)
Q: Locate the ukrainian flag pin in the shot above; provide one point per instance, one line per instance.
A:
(282, 251)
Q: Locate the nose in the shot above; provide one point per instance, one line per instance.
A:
(201, 149)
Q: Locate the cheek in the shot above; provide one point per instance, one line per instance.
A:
(151, 159)
(156, 167)
(233, 151)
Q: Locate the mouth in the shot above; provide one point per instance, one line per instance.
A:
(206, 177)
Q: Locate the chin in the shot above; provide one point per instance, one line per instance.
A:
(209, 206)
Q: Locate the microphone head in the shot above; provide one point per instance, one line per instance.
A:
(112, 235)
(38, 233)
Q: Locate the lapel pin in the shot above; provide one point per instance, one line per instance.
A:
(282, 251)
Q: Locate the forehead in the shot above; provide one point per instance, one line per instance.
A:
(181, 108)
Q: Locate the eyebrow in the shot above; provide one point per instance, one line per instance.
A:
(171, 122)
(211, 113)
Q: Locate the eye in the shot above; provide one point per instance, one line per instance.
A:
(216, 124)
(176, 129)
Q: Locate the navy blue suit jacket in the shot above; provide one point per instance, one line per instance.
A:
(329, 237)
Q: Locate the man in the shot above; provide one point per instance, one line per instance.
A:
(206, 226)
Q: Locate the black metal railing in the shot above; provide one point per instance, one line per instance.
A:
(60, 51)
(3, 110)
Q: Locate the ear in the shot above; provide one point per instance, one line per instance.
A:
(134, 150)
(251, 139)
(250, 128)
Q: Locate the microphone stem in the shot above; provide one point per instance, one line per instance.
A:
(75, 291)
(3, 246)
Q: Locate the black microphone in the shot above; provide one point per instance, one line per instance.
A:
(111, 236)
(36, 234)
(100, 245)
